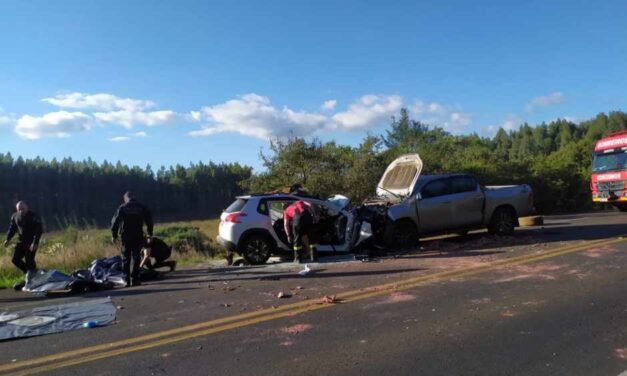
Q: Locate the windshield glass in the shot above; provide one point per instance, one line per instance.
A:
(610, 162)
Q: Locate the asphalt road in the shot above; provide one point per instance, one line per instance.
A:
(547, 301)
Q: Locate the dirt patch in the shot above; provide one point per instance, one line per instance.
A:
(398, 297)
(508, 313)
(597, 252)
(542, 272)
(621, 353)
(296, 329)
(481, 301)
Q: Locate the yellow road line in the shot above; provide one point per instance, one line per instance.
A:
(237, 321)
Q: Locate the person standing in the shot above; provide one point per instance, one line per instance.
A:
(128, 222)
(300, 219)
(27, 225)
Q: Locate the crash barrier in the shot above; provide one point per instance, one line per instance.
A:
(171, 336)
(536, 220)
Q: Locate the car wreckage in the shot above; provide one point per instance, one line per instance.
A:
(407, 206)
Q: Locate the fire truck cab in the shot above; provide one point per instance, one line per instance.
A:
(609, 170)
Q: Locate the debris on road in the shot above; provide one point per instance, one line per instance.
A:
(283, 295)
(119, 307)
(329, 299)
(297, 329)
(305, 271)
(57, 318)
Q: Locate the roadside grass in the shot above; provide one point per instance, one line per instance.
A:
(72, 249)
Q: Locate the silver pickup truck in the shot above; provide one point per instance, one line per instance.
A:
(418, 205)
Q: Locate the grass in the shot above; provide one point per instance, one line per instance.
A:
(193, 242)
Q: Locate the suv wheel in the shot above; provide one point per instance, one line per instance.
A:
(256, 249)
(503, 222)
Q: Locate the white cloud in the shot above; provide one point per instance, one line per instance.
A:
(329, 105)
(511, 122)
(253, 115)
(129, 118)
(451, 118)
(6, 119)
(100, 101)
(545, 101)
(368, 112)
(139, 134)
(120, 139)
(54, 124)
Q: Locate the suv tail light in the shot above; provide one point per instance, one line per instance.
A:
(233, 217)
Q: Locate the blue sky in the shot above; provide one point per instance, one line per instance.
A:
(177, 81)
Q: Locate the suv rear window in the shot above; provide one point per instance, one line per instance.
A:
(236, 206)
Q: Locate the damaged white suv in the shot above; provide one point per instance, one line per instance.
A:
(406, 207)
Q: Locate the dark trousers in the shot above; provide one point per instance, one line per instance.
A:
(23, 258)
(131, 257)
(302, 225)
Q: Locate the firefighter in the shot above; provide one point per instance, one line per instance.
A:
(160, 252)
(28, 226)
(128, 222)
(299, 220)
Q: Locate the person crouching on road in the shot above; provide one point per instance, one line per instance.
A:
(160, 252)
(128, 222)
(299, 220)
(28, 226)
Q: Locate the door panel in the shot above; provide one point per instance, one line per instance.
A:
(467, 201)
(435, 209)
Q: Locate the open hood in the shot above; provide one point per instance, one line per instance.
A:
(401, 176)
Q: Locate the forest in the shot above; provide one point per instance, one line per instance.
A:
(554, 157)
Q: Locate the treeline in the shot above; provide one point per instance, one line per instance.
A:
(85, 193)
(555, 158)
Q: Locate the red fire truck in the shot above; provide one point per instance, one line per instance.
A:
(609, 170)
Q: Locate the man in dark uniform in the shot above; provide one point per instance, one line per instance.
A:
(29, 229)
(128, 221)
(158, 250)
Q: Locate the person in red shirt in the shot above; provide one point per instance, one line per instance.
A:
(299, 220)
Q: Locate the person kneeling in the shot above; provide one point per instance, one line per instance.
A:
(160, 252)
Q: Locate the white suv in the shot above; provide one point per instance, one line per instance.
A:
(253, 226)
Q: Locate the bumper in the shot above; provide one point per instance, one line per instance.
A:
(228, 245)
(609, 201)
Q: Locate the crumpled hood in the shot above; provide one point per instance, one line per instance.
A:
(401, 176)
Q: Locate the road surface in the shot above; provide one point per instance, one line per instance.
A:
(548, 301)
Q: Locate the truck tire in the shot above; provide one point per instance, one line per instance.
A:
(503, 222)
(401, 235)
(256, 249)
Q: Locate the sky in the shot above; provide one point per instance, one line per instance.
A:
(174, 82)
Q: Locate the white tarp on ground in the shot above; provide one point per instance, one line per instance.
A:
(56, 318)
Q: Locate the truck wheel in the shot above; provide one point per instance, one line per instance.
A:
(503, 222)
(401, 235)
(256, 249)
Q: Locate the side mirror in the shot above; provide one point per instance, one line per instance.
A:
(418, 196)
